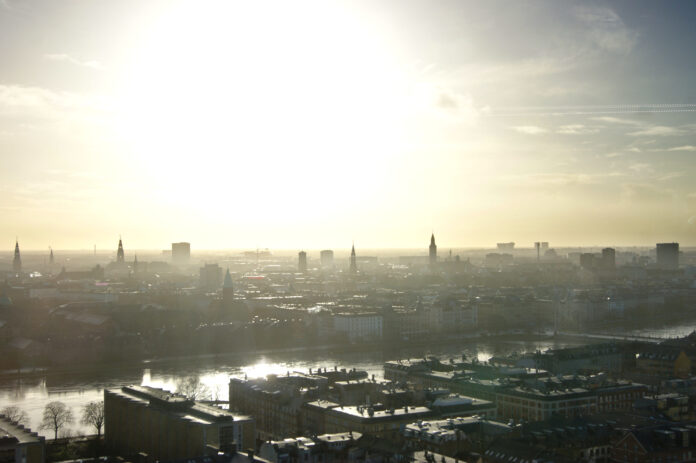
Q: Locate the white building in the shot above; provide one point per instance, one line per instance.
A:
(359, 326)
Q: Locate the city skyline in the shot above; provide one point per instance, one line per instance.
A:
(377, 122)
(348, 249)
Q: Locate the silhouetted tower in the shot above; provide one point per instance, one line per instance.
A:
(51, 260)
(433, 250)
(302, 261)
(609, 258)
(227, 289)
(667, 256)
(17, 261)
(120, 256)
(135, 264)
(353, 261)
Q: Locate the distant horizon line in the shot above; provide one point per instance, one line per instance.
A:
(346, 249)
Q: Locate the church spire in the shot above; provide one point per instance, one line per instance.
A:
(17, 261)
(432, 250)
(228, 280)
(120, 256)
(51, 260)
(353, 260)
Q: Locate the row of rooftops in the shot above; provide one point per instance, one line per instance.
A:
(519, 381)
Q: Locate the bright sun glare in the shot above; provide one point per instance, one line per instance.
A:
(263, 99)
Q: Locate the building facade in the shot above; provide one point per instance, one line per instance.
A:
(166, 426)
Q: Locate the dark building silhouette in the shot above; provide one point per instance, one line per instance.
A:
(433, 250)
(327, 258)
(587, 261)
(609, 258)
(120, 256)
(302, 261)
(17, 261)
(353, 261)
(181, 253)
(668, 256)
(51, 259)
(227, 289)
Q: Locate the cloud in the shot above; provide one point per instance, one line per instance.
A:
(447, 101)
(657, 130)
(576, 129)
(606, 30)
(683, 148)
(615, 120)
(563, 179)
(92, 64)
(641, 167)
(643, 192)
(29, 108)
(670, 176)
(529, 129)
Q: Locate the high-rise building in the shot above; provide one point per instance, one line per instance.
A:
(181, 253)
(537, 246)
(353, 261)
(668, 256)
(227, 289)
(120, 256)
(507, 247)
(17, 261)
(210, 277)
(587, 260)
(432, 250)
(609, 258)
(302, 261)
(327, 259)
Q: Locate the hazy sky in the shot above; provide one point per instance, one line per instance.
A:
(297, 124)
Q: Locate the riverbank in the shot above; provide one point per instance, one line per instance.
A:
(329, 349)
(394, 347)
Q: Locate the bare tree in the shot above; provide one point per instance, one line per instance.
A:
(93, 415)
(15, 414)
(55, 416)
(191, 387)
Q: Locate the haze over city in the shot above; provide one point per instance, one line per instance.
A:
(307, 124)
(348, 231)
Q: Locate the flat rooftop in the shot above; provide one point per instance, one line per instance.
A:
(190, 410)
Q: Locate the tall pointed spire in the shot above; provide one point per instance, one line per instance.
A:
(120, 256)
(17, 261)
(51, 260)
(432, 250)
(353, 260)
(228, 280)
